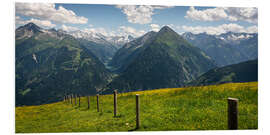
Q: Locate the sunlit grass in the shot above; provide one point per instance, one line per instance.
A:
(191, 108)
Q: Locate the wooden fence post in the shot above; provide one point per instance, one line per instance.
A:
(75, 99)
(88, 101)
(79, 100)
(98, 102)
(115, 103)
(137, 112)
(72, 99)
(232, 113)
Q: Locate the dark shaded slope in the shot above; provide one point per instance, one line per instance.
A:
(241, 72)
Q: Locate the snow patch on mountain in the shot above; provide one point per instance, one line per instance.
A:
(235, 37)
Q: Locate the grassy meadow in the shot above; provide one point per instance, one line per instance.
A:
(191, 108)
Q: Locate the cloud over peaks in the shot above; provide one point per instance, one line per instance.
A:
(68, 28)
(213, 14)
(248, 14)
(139, 14)
(48, 11)
(217, 30)
(155, 27)
(44, 23)
(125, 30)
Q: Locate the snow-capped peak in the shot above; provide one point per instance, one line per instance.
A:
(118, 41)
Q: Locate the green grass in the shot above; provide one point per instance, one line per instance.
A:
(193, 108)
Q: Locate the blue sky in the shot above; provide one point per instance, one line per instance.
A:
(136, 20)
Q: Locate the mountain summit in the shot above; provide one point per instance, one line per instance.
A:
(166, 29)
(31, 26)
(27, 30)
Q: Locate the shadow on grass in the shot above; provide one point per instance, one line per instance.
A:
(134, 129)
(118, 116)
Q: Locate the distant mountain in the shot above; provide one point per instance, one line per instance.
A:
(119, 41)
(104, 52)
(125, 55)
(235, 38)
(159, 60)
(246, 43)
(241, 72)
(50, 63)
(104, 47)
(228, 48)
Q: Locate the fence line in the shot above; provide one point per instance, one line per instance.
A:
(232, 108)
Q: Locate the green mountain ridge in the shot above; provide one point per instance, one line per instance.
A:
(242, 72)
(50, 64)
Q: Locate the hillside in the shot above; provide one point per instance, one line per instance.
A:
(191, 108)
(162, 60)
(50, 63)
(241, 72)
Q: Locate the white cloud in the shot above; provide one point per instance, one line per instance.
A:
(43, 23)
(252, 29)
(155, 27)
(47, 11)
(125, 30)
(249, 14)
(139, 14)
(243, 14)
(69, 28)
(224, 28)
(212, 14)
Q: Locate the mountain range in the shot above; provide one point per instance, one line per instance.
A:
(226, 49)
(116, 41)
(51, 63)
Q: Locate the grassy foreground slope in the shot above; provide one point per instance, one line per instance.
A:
(192, 108)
